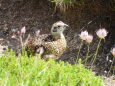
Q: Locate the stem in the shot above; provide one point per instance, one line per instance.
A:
(87, 58)
(93, 59)
(26, 41)
(21, 41)
(87, 53)
(110, 67)
(22, 44)
(79, 50)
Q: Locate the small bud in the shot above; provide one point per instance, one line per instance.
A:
(18, 32)
(13, 30)
(113, 52)
(105, 71)
(37, 33)
(110, 61)
(83, 35)
(13, 36)
(102, 33)
(89, 38)
(23, 30)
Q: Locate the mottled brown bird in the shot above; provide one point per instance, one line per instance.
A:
(49, 45)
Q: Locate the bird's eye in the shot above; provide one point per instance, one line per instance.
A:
(55, 29)
(58, 26)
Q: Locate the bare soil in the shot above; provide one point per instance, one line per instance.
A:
(41, 14)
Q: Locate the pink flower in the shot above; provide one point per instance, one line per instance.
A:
(113, 51)
(83, 35)
(102, 33)
(13, 36)
(89, 38)
(37, 33)
(40, 50)
(23, 30)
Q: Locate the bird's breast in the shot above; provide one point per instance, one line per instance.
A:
(56, 47)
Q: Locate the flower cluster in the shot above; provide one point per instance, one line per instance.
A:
(89, 38)
(101, 33)
(85, 36)
(20, 35)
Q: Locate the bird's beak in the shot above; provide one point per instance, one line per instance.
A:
(66, 25)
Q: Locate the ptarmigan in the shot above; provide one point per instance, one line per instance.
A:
(49, 45)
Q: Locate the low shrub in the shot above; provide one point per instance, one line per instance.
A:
(24, 71)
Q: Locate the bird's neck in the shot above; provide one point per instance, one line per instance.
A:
(58, 36)
(62, 36)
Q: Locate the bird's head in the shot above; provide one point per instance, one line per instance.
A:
(58, 29)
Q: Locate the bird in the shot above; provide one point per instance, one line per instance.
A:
(50, 45)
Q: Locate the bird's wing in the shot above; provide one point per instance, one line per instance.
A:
(43, 39)
(40, 40)
(35, 42)
(49, 38)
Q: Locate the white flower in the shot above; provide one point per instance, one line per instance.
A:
(113, 51)
(102, 33)
(83, 35)
(89, 38)
(23, 30)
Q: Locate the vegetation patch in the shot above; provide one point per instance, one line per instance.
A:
(36, 72)
(63, 5)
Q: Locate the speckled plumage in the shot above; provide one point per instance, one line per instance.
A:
(55, 47)
(51, 45)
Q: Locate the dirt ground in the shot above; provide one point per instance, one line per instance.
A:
(41, 14)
